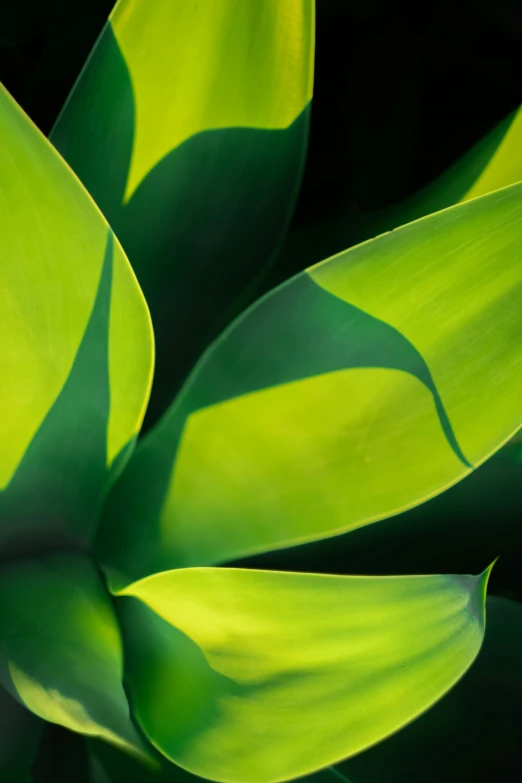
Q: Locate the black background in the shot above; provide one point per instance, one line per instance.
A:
(401, 89)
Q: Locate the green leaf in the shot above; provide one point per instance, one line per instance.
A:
(188, 126)
(256, 677)
(457, 530)
(358, 389)
(473, 733)
(76, 351)
(20, 733)
(60, 648)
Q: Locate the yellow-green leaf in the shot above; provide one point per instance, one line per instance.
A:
(188, 126)
(256, 677)
(356, 390)
(473, 733)
(76, 343)
(60, 648)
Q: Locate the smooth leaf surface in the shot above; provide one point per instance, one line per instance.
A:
(60, 647)
(358, 389)
(473, 733)
(20, 732)
(254, 676)
(76, 346)
(188, 126)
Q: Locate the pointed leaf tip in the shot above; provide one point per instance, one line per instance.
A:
(261, 659)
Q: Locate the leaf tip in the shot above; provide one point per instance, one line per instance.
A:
(479, 594)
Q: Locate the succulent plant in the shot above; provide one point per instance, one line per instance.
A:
(359, 388)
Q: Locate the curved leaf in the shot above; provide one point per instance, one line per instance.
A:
(76, 352)
(356, 390)
(255, 677)
(188, 126)
(20, 733)
(60, 648)
(473, 733)
(457, 530)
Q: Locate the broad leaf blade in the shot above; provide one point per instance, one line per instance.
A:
(358, 389)
(188, 126)
(61, 652)
(257, 677)
(76, 355)
(473, 733)
(456, 530)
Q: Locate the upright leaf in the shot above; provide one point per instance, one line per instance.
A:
(60, 648)
(188, 126)
(257, 677)
(76, 345)
(358, 389)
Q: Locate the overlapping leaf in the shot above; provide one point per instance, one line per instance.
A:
(359, 388)
(60, 648)
(188, 126)
(76, 345)
(477, 737)
(255, 677)
(457, 530)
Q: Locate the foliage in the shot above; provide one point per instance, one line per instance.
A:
(360, 388)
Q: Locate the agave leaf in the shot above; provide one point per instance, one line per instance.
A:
(76, 354)
(456, 530)
(188, 126)
(20, 733)
(60, 648)
(257, 676)
(473, 733)
(358, 389)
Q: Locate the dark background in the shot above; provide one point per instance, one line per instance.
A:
(401, 91)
